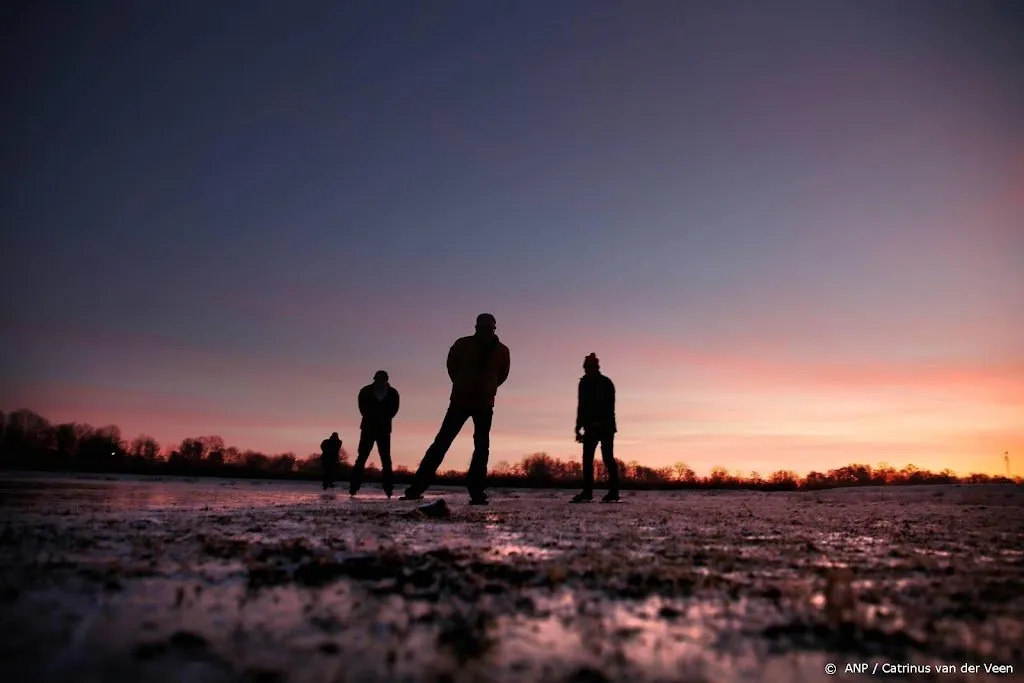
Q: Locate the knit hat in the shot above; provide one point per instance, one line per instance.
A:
(591, 361)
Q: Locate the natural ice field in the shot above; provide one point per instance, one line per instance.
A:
(159, 579)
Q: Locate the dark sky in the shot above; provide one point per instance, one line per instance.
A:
(787, 228)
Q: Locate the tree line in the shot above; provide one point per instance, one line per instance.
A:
(28, 441)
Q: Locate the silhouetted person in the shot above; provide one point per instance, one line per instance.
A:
(595, 417)
(378, 404)
(477, 366)
(330, 459)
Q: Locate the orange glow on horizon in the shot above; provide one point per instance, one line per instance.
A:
(740, 409)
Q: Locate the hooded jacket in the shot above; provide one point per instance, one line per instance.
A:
(477, 369)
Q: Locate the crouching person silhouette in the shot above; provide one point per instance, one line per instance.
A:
(595, 418)
(330, 459)
(477, 366)
(378, 405)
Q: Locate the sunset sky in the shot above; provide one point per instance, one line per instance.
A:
(792, 232)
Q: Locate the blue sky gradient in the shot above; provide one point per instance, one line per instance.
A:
(793, 232)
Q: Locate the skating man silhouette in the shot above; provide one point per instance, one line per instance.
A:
(330, 457)
(595, 418)
(477, 366)
(378, 405)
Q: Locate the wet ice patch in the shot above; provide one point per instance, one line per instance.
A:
(501, 543)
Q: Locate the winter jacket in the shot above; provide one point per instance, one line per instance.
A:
(330, 450)
(595, 407)
(377, 415)
(476, 369)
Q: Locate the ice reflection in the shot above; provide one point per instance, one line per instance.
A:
(501, 543)
(657, 639)
(853, 541)
(136, 494)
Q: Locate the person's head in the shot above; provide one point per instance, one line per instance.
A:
(591, 364)
(334, 437)
(485, 326)
(380, 378)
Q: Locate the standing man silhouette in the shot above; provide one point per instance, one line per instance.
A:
(477, 366)
(378, 405)
(595, 416)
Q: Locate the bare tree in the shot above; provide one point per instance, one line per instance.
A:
(144, 448)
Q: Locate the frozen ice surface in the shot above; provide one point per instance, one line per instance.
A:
(110, 578)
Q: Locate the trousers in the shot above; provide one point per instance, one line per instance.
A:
(454, 420)
(607, 442)
(367, 439)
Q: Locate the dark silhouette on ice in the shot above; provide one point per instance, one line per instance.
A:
(595, 423)
(378, 405)
(477, 366)
(330, 457)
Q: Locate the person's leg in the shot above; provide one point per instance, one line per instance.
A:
(362, 453)
(452, 424)
(589, 449)
(325, 467)
(610, 466)
(384, 449)
(476, 480)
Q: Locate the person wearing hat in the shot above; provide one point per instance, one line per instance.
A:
(330, 458)
(378, 405)
(595, 423)
(477, 366)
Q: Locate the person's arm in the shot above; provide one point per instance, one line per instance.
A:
(505, 365)
(579, 408)
(611, 402)
(394, 407)
(364, 399)
(454, 357)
